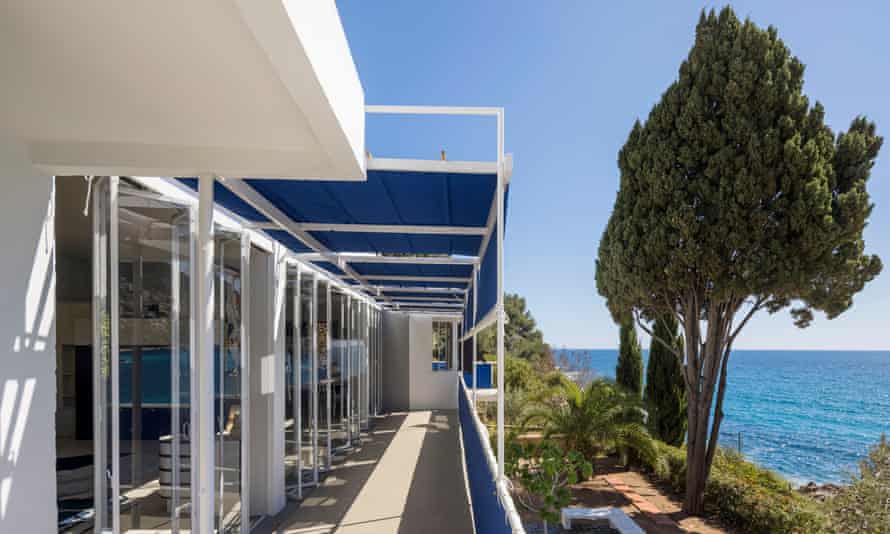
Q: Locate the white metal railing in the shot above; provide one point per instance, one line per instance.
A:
(503, 485)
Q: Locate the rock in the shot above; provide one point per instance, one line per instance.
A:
(819, 492)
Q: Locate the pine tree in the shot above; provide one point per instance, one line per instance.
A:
(735, 197)
(629, 370)
(665, 393)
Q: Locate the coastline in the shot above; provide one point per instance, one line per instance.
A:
(809, 416)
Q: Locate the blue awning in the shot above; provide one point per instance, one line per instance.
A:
(447, 213)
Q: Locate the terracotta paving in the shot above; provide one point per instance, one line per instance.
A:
(654, 509)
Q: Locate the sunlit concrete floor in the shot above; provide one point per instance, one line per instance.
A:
(407, 477)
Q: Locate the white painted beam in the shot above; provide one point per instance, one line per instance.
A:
(381, 228)
(430, 298)
(443, 305)
(433, 110)
(396, 289)
(431, 165)
(417, 260)
(396, 278)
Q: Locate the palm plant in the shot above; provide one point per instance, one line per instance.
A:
(594, 420)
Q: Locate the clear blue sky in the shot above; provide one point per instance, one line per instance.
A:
(573, 76)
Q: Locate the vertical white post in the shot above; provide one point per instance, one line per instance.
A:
(475, 299)
(175, 361)
(114, 243)
(455, 357)
(202, 435)
(348, 395)
(276, 339)
(298, 376)
(313, 380)
(500, 302)
(379, 361)
(328, 351)
(100, 396)
(245, 382)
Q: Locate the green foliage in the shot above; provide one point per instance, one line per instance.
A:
(665, 393)
(734, 197)
(522, 338)
(735, 187)
(743, 495)
(544, 473)
(519, 374)
(629, 369)
(864, 505)
(594, 420)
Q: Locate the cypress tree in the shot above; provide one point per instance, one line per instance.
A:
(665, 393)
(735, 198)
(629, 370)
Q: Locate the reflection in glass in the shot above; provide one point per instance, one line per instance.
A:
(292, 424)
(228, 376)
(153, 363)
(323, 377)
(308, 379)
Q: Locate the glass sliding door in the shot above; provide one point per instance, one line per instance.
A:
(228, 372)
(354, 349)
(364, 365)
(105, 441)
(337, 371)
(292, 372)
(323, 369)
(149, 329)
(308, 381)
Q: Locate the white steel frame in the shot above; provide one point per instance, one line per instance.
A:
(203, 215)
(495, 221)
(202, 382)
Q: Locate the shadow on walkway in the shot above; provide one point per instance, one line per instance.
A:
(407, 477)
(437, 500)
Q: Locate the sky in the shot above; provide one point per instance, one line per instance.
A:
(572, 77)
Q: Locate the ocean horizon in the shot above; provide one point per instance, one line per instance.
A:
(809, 415)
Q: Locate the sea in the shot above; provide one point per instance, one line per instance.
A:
(808, 415)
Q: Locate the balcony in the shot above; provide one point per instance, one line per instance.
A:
(405, 476)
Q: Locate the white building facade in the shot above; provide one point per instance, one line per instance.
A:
(191, 333)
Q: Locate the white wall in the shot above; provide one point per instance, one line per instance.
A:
(266, 421)
(27, 346)
(428, 389)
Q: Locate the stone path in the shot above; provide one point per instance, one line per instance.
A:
(640, 503)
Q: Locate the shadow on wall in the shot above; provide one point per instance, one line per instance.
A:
(27, 364)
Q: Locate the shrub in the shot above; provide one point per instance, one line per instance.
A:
(544, 473)
(599, 418)
(864, 505)
(742, 495)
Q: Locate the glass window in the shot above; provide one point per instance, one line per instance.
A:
(153, 362)
(442, 345)
(228, 367)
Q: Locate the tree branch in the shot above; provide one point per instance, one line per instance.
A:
(651, 333)
(754, 309)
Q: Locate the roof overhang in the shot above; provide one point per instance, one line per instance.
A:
(171, 88)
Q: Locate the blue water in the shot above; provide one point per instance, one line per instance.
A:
(809, 415)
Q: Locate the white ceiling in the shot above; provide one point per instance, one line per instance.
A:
(173, 88)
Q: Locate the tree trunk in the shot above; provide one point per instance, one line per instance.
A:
(709, 359)
(696, 457)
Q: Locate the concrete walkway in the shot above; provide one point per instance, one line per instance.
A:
(407, 477)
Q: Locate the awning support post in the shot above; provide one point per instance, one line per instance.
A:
(202, 434)
(475, 292)
(500, 302)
